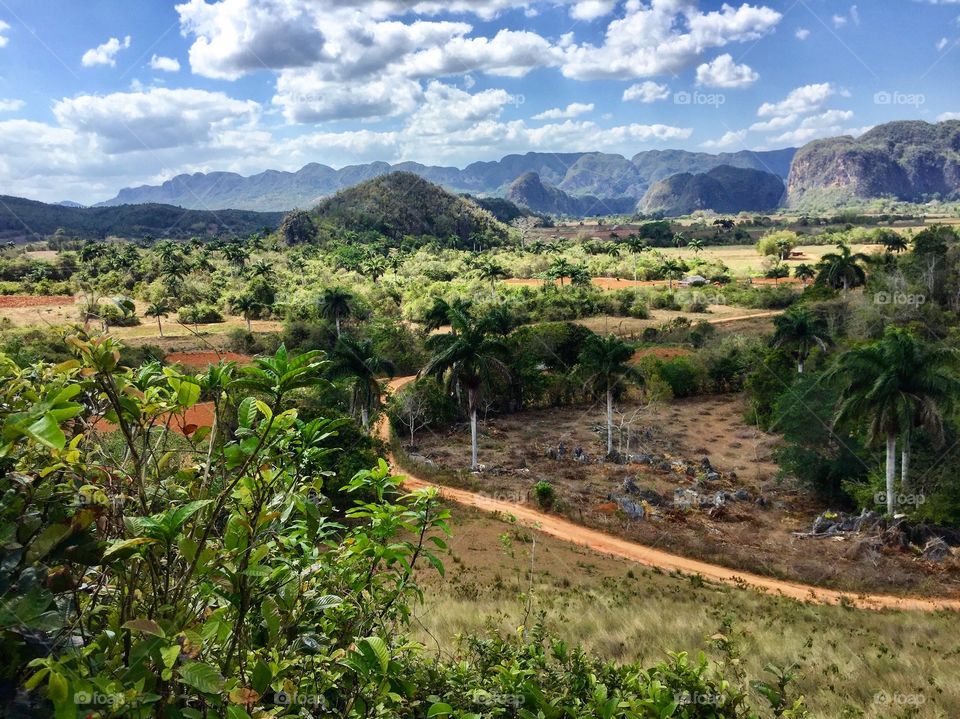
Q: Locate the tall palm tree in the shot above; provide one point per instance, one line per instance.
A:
(679, 239)
(245, 305)
(896, 384)
(490, 271)
(799, 330)
(893, 241)
(604, 365)
(673, 270)
(158, 310)
(696, 246)
(637, 247)
(335, 304)
(357, 361)
(560, 268)
(842, 269)
(469, 358)
(262, 268)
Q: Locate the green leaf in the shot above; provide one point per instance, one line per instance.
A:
(47, 432)
(246, 413)
(439, 710)
(188, 393)
(147, 626)
(57, 688)
(261, 677)
(379, 648)
(235, 712)
(118, 550)
(202, 677)
(47, 541)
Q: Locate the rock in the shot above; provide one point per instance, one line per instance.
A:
(742, 495)
(823, 524)
(705, 464)
(615, 457)
(713, 476)
(643, 459)
(652, 497)
(630, 508)
(420, 459)
(630, 487)
(690, 471)
(664, 466)
(936, 550)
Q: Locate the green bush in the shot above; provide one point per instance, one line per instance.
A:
(682, 375)
(545, 493)
(201, 314)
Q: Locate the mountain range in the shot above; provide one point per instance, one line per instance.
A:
(578, 174)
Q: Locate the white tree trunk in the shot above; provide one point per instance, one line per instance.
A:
(365, 418)
(609, 422)
(905, 462)
(891, 471)
(337, 320)
(472, 401)
(799, 366)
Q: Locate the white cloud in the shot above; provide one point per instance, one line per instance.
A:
(574, 109)
(948, 116)
(826, 124)
(724, 72)
(855, 14)
(11, 105)
(3, 38)
(165, 64)
(664, 37)
(802, 33)
(729, 139)
(592, 9)
(105, 54)
(509, 53)
(159, 118)
(942, 43)
(447, 109)
(309, 96)
(802, 100)
(775, 123)
(839, 20)
(646, 91)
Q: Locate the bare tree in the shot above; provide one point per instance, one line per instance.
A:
(525, 227)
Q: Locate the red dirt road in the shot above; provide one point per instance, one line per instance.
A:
(18, 301)
(607, 544)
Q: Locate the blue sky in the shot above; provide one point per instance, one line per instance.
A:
(102, 94)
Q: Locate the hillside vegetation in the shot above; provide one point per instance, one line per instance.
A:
(723, 189)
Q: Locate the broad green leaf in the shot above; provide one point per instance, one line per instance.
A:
(46, 431)
(147, 626)
(439, 710)
(379, 648)
(202, 677)
(121, 549)
(261, 677)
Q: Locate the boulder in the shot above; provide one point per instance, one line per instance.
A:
(936, 550)
(713, 476)
(632, 509)
(630, 487)
(742, 495)
(705, 464)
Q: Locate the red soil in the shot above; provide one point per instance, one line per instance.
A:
(13, 301)
(204, 359)
(661, 353)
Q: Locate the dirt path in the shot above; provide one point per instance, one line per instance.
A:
(607, 544)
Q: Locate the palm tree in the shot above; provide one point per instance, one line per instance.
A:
(696, 246)
(245, 305)
(804, 273)
(374, 267)
(335, 304)
(842, 268)
(637, 247)
(357, 361)
(158, 310)
(261, 268)
(560, 268)
(893, 241)
(236, 255)
(679, 240)
(897, 383)
(490, 271)
(673, 270)
(799, 330)
(470, 358)
(603, 364)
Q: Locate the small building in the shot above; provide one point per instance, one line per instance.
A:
(693, 281)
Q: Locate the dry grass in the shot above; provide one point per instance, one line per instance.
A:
(627, 613)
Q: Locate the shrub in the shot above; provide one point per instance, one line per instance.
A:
(545, 494)
(202, 314)
(682, 375)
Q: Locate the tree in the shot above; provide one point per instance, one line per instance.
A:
(778, 244)
(895, 384)
(525, 227)
(673, 269)
(804, 273)
(777, 271)
(604, 365)
(490, 271)
(696, 246)
(236, 255)
(262, 268)
(469, 358)
(158, 310)
(637, 247)
(245, 305)
(357, 361)
(335, 304)
(799, 330)
(892, 240)
(560, 268)
(842, 269)
(298, 228)
(679, 239)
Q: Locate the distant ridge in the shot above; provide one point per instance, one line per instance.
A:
(578, 174)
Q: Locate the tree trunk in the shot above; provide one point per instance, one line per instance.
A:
(609, 421)
(472, 402)
(249, 324)
(411, 429)
(800, 366)
(905, 462)
(159, 326)
(337, 320)
(365, 418)
(891, 471)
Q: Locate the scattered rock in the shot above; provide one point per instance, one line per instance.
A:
(713, 476)
(630, 508)
(705, 464)
(420, 459)
(630, 487)
(742, 495)
(936, 550)
(761, 502)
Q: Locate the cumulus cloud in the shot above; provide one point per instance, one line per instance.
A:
(574, 109)
(801, 101)
(948, 116)
(11, 105)
(826, 124)
(3, 38)
(664, 37)
(724, 72)
(733, 138)
(802, 33)
(647, 91)
(105, 54)
(156, 119)
(592, 9)
(165, 64)
(309, 96)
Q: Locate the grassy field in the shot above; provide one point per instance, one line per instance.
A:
(745, 261)
(851, 663)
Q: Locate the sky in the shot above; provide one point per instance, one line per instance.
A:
(104, 94)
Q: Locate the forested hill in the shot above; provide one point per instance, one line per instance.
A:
(26, 220)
